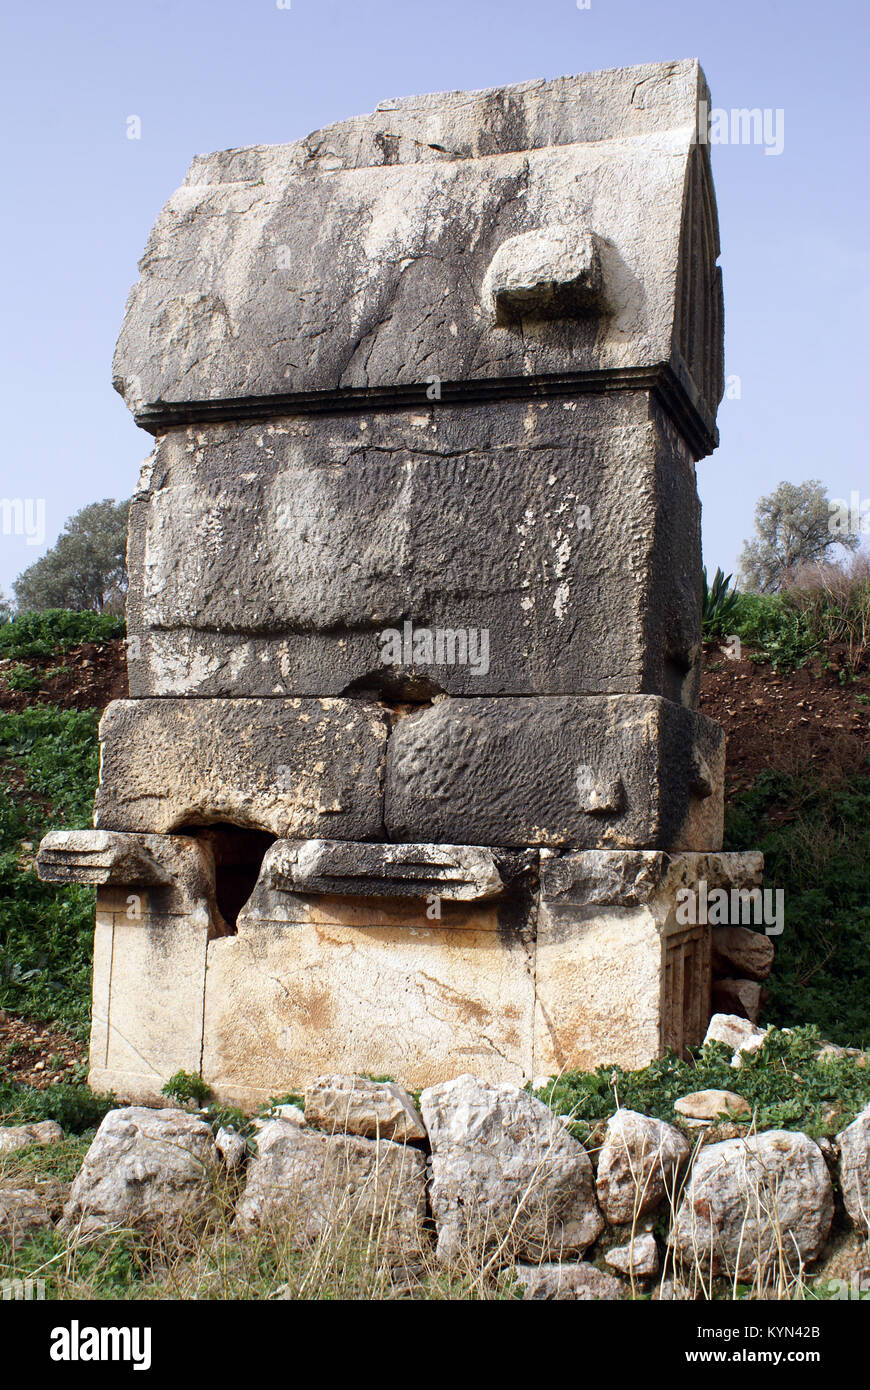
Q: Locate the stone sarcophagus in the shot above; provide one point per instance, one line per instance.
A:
(411, 769)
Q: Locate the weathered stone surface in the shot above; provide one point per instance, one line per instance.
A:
(145, 1168)
(99, 856)
(14, 1137)
(232, 1147)
(854, 1142)
(272, 559)
(23, 1214)
(359, 257)
(456, 873)
(144, 876)
(638, 1166)
(360, 985)
(356, 1105)
(711, 1104)
(148, 988)
(742, 998)
(587, 772)
(608, 929)
(507, 1178)
(290, 767)
(581, 1282)
(314, 1185)
(737, 951)
(639, 1258)
(737, 1033)
(755, 1204)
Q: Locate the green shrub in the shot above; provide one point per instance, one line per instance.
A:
(50, 760)
(56, 630)
(186, 1087)
(75, 1108)
(719, 606)
(784, 1082)
(816, 847)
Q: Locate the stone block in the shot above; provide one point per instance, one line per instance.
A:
(575, 772)
(546, 546)
(290, 767)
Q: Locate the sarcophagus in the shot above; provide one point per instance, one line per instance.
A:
(414, 604)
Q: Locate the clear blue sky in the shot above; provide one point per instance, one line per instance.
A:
(80, 198)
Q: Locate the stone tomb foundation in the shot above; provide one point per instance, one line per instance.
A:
(336, 959)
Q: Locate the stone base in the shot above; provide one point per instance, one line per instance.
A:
(557, 962)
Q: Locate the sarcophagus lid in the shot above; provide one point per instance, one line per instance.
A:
(557, 233)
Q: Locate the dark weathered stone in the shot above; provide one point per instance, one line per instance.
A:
(290, 767)
(530, 772)
(460, 873)
(362, 258)
(272, 559)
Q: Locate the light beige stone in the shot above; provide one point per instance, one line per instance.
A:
(508, 1180)
(737, 1033)
(638, 1166)
(13, 1137)
(854, 1142)
(338, 1187)
(739, 952)
(357, 988)
(149, 1168)
(638, 1259)
(23, 1214)
(711, 1105)
(755, 1207)
(580, 1282)
(357, 1105)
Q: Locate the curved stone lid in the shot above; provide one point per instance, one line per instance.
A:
(551, 235)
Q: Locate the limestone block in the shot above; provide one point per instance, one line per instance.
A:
(357, 1105)
(854, 1142)
(549, 547)
(737, 1033)
(341, 1187)
(23, 1214)
(456, 873)
(755, 1204)
(172, 875)
(737, 951)
(365, 986)
(145, 1168)
(577, 1282)
(581, 772)
(638, 1166)
(608, 932)
(638, 1259)
(13, 1137)
(148, 988)
(508, 1180)
(290, 767)
(98, 856)
(707, 1106)
(355, 260)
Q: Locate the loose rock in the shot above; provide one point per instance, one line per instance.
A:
(737, 1033)
(582, 1282)
(751, 1203)
(638, 1166)
(639, 1258)
(145, 1168)
(22, 1215)
(14, 1137)
(317, 1185)
(737, 951)
(355, 1105)
(740, 997)
(854, 1142)
(507, 1177)
(707, 1106)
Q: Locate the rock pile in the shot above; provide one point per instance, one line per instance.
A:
(478, 1176)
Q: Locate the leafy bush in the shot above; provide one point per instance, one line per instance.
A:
(56, 630)
(75, 1108)
(814, 838)
(50, 760)
(784, 1082)
(186, 1087)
